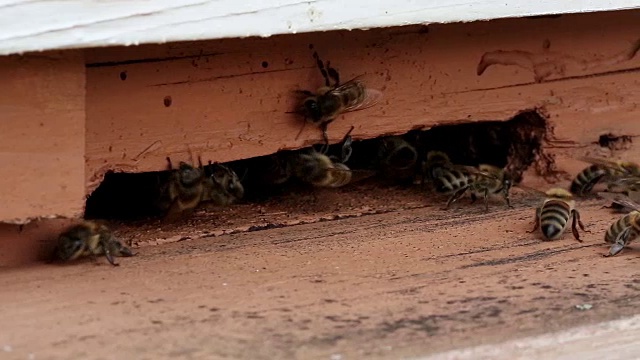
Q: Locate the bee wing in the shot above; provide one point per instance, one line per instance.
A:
(472, 170)
(371, 96)
(621, 199)
(624, 182)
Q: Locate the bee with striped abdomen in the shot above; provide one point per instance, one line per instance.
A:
(456, 180)
(599, 170)
(186, 188)
(555, 213)
(320, 170)
(329, 101)
(627, 228)
(90, 239)
(489, 180)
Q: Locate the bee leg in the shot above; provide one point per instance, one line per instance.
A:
(619, 243)
(170, 164)
(323, 71)
(325, 137)
(473, 198)
(505, 194)
(536, 223)
(346, 146)
(576, 220)
(456, 195)
(333, 74)
(107, 253)
(486, 200)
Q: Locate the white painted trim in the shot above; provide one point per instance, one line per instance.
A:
(36, 25)
(612, 340)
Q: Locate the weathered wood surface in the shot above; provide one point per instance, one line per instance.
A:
(42, 136)
(229, 98)
(398, 285)
(88, 23)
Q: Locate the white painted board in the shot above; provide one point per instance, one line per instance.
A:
(611, 340)
(37, 25)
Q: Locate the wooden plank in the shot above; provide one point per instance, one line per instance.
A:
(398, 285)
(42, 136)
(81, 24)
(229, 98)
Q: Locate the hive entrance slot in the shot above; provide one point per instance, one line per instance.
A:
(515, 144)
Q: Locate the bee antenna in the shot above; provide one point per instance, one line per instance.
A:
(302, 128)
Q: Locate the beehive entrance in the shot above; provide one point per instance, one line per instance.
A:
(515, 144)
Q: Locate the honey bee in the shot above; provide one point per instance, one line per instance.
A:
(397, 158)
(320, 170)
(189, 186)
(90, 239)
(223, 186)
(489, 180)
(626, 186)
(625, 229)
(555, 213)
(456, 180)
(186, 188)
(329, 101)
(599, 170)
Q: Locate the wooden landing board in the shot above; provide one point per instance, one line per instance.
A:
(399, 285)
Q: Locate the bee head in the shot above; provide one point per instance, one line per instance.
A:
(117, 249)
(188, 174)
(228, 180)
(69, 247)
(312, 109)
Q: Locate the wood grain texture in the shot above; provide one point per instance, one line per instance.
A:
(42, 132)
(229, 98)
(89, 23)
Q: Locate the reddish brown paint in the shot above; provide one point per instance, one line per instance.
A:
(42, 128)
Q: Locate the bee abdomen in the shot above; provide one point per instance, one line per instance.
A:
(553, 219)
(616, 228)
(586, 179)
(451, 180)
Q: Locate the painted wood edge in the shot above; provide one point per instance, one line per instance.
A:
(84, 24)
(615, 339)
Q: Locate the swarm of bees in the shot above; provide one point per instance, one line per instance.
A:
(188, 186)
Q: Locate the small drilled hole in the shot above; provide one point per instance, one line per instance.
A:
(167, 101)
(265, 64)
(123, 75)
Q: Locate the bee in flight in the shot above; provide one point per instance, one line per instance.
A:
(456, 180)
(318, 169)
(90, 239)
(331, 100)
(553, 216)
(601, 170)
(627, 228)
